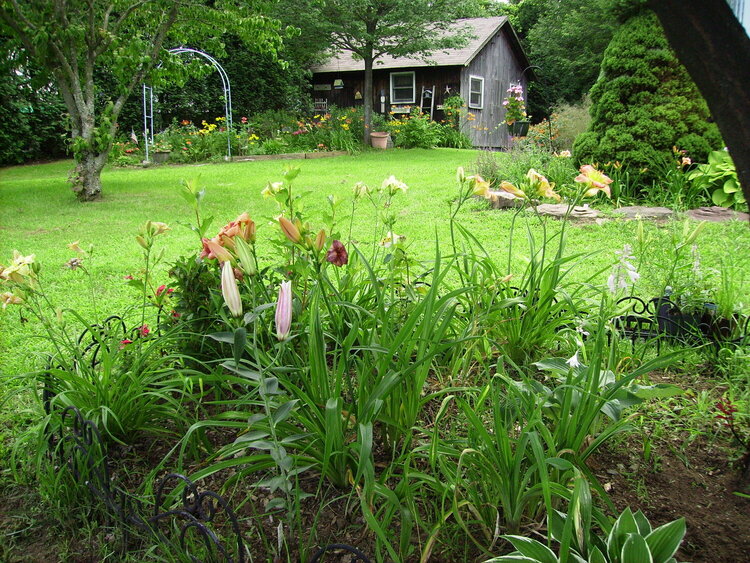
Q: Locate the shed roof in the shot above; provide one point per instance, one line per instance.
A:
(482, 30)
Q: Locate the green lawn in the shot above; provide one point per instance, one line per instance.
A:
(39, 215)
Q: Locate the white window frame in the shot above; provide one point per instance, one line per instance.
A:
(413, 87)
(480, 105)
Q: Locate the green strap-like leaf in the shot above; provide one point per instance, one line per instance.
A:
(532, 549)
(665, 540)
(635, 550)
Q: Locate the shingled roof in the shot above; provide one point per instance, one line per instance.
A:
(482, 30)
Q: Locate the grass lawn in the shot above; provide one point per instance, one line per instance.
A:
(39, 215)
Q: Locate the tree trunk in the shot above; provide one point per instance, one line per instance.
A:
(85, 178)
(715, 50)
(368, 97)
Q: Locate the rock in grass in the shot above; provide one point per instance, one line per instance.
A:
(560, 211)
(717, 214)
(500, 199)
(643, 212)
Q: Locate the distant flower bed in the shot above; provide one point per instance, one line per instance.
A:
(272, 132)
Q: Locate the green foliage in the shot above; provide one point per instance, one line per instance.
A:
(452, 138)
(643, 103)
(564, 124)
(32, 113)
(719, 178)
(394, 388)
(132, 47)
(630, 538)
(559, 170)
(259, 82)
(415, 131)
(568, 67)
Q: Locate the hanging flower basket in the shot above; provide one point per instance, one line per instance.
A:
(518, 128)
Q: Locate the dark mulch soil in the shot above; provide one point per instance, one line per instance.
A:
(694, 476)
(698, 483)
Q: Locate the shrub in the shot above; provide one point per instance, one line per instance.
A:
(416, 131)
(644, 103)
(452, 138)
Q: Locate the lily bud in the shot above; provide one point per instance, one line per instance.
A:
(291, 172)
(230, 291)
(290, 230)
(142, 241)
(320, 240)
(219, 252)
(284, 311)
(244, 253)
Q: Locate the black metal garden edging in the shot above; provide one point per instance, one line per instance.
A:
(188, 524)
(660, 318)
(182, 519)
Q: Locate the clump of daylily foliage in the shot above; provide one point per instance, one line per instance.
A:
(449, 398)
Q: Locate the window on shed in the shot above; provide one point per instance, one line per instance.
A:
(476, 92)
(402, 88)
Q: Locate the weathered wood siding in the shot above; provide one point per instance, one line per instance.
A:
(499, 67)
(446, 81)
(497, 63)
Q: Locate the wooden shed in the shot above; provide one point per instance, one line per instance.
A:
(481, 72)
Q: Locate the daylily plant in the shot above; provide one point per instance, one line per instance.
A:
(595, 180)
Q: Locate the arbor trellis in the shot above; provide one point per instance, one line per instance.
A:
(148, 101)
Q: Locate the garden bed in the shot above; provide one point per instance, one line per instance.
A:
(289, 156)
(404, 458)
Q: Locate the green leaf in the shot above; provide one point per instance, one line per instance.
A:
(720, 198)
(283, 412)
(560, 463)
(238, 346)
(532, 549)
(624, 525)
(227, 337)
(731, 186)
(511, 558)
(596, 556)
(644, 526)
(658, 391)
(635, 550)
(665, 540)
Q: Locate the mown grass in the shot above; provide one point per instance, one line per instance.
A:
(39, 215)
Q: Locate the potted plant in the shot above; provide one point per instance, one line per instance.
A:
(379, 139)
(162, 150)
(515, 112)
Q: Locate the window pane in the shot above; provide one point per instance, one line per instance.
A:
(476, 85)
(402, 80)
(475, 99)
(402, 87)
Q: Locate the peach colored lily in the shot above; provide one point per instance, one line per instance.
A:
(595, 180)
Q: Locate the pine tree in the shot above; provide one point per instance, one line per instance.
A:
(644, 103)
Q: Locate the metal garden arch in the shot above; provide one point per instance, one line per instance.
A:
(148, 100)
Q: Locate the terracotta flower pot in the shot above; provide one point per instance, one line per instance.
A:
(379, 139)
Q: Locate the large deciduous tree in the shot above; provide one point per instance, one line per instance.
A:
(370, 29)
(129, 38)
(567, 43)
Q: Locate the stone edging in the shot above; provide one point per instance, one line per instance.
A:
(289, 156)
